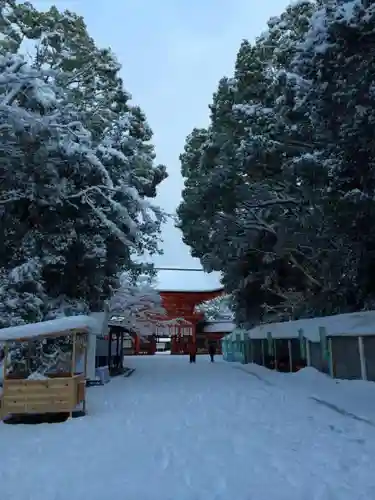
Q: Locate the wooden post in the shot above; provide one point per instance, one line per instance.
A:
(86, 343)
(74, 348)
(29, 354)
(109, 352)
(73, 367)
(5, 364)
(117, 349)
(91, 356)
(85, 371)
(122, 349)
(362, 358)
(290, 355)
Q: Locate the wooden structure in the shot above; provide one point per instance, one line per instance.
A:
(145, 336)
(62, 386)
(181, 318)
(182, 337)
(179, 322)
(123, 340)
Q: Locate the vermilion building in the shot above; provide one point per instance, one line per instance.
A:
(181, 323)
(181, 319)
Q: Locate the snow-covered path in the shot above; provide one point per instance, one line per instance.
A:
(182, 432)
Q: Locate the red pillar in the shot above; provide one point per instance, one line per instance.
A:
(173, 345)
(137, 344)
(194, 333)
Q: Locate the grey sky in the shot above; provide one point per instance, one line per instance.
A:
(173, 54)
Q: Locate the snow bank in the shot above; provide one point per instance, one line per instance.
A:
(310, 374)
(356, 397)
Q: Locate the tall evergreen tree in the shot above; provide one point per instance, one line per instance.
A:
(245, 201)
(340, 105)
(77, 169)
(294, 234)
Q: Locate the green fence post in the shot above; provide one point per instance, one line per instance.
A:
(238, 347)
(248, 350)
(302, 344)
(324, 349)
(270, 344)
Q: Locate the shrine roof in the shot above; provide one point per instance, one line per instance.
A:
(177, 280)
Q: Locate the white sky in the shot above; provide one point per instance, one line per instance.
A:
(173, 54)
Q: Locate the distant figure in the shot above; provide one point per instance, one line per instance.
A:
(212, 352)
(193, 352)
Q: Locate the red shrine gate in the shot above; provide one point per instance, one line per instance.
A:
(180, 332)
(181, 318)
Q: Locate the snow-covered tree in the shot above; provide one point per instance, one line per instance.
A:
(241, 208)
(136, 303)
(217, 309)
(337, 48)
(279, 189)
(76, 168)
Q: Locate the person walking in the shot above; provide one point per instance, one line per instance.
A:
(212, 352)
(192, 352)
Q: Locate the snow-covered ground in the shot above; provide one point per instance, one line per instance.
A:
(199, 432)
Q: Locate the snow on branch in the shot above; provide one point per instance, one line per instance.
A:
(35, 115)
(215, 309)
(136, 304)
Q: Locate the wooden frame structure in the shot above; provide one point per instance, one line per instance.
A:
(180, 306)
(60, 391)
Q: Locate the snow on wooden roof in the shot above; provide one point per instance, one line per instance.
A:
(182, 280)
(49, 328)
(350, 324)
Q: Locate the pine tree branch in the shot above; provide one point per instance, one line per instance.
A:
(270, 203)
